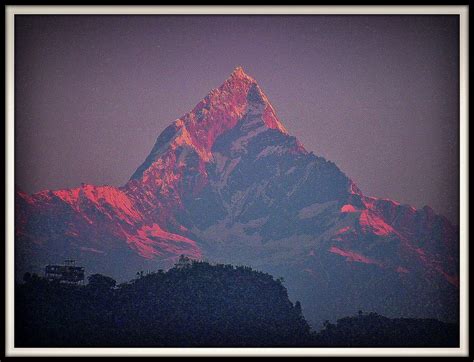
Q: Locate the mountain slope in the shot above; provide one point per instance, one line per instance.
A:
(228, 183)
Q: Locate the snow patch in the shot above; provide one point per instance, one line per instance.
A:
(240, 143)
(372, 223)
(313, 210)
(271, 150)
(352, 256)
(402, 270)
(343, 230)
(348, 208)
(92, 250)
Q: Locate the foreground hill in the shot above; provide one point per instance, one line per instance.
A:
(196, 304)
(193, 304)
(373, 330)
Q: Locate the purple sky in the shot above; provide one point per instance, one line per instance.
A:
(377, 95)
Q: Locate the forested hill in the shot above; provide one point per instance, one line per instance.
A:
(197, 304)
(192, 304)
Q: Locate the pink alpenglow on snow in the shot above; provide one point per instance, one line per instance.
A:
(352, 256)
(348, 208)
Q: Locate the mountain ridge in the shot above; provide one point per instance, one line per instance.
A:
(226, 181)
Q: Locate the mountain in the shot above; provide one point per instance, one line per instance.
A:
(227, 183)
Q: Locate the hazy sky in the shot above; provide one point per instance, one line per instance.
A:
(377, 95)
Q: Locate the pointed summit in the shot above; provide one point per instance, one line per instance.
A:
(226, 105)
(238, 80)
(240, 73)
(238, 98)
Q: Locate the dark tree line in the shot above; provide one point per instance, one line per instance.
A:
(193, 304)
(374, 330)
(196, 304)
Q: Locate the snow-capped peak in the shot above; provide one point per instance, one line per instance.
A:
(239, 73)
(221, 110)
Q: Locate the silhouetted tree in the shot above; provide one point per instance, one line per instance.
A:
(183, 262)
(374, 330)
(27, 277)
(100, 281)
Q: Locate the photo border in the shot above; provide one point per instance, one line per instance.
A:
(12, 10)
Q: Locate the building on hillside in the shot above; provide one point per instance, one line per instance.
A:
(67, 273)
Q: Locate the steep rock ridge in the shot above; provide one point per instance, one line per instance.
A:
(94, 219)
(217, 113)
(226, 182)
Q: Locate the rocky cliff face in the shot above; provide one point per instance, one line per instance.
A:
(226, 182)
